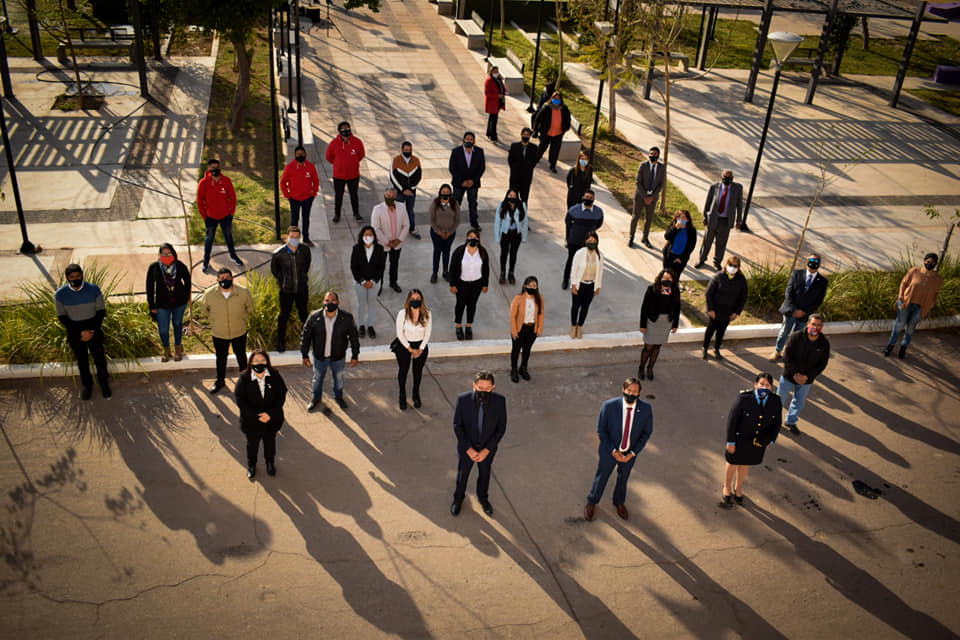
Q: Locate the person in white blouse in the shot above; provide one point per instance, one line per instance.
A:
(469, 277)
(413, 334)
(586, 275)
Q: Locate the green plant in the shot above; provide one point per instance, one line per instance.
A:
(765, 287)
(262, 322)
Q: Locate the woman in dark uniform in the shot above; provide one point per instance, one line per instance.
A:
(754, 422)
(260, 393)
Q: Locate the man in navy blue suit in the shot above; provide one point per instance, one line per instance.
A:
(466, 167)
(480, 420)
(624, 426)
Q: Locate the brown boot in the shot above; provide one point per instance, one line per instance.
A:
(166, 355)
(579, 331)
(573, 331)
(178, 352)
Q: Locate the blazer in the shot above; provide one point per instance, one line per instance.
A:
(380, 221)
(502, 225)
(518, 307)
(521, 165)
(610, 426)
(748, 420)
(797, 296)
(711, 210)
(459, 171)
(688, 249)
(455, 259)
(158, 296)
(644, 185)
(372, 269)
(465, 422)
(314, 336)
(252, 404)
(578, 265)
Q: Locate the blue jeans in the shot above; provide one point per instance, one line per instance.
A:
(790, 324)
(163, 324)
(300, 208)
(907, 321)
(320, 372)
(227, 225)
(604, 469)
(408, 202)
(799, 392)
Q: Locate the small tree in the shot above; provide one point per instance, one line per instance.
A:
(58, 17)
(934, 214)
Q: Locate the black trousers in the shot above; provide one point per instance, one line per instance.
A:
(404, 358)
(463, 474)
(716, 325)
(571, 250)
(269, 446)
(353, 186)
(522, 185)
(83, 350)
(287, 300)
(394, 255)
(581, 304)
(492, 125)
(467, 295)
(554, 143)
(509, 245)
(222, 347)
(522, 344)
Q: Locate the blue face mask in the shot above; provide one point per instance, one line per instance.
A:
(763, 393)
(555, 101)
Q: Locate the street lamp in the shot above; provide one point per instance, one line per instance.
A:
(784, 44)
(536, 60)
(604, 27)
(27, 247)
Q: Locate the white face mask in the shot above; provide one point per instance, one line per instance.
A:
(495, 74)
(368, 240)
(293, 242)
(732, 270)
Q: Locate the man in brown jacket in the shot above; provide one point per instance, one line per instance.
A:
(918, 294)
(227, 306)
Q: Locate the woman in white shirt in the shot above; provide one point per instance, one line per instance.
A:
(469, 276)
(509, 229)
(413, 334)
(586, 274)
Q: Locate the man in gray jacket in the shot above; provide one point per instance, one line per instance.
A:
(651, 179)
(290, 265)
(724, 201)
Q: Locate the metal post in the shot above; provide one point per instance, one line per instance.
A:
(6, 25)
(138, 49)
(907, 52)
(27, 247)
(155, 29)
(34, 30)
(490, 28)
(4, 66)
(536, 60)
(762, 31)
(296, 26)
(596, 122)
(828, 26)
(286, 39)
(763, 140)
(273, 129)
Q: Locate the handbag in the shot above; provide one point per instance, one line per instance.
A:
(396, 346)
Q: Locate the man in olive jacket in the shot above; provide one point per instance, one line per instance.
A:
(227, 306)
(327, 332)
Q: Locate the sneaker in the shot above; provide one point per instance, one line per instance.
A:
(362, 331)
(206, 268)
(237, 261)
(307, 242)
(371, 333)
(793, 429)
(415, 233)
(313, 404)
(773, 357)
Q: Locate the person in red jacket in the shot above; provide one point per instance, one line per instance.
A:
(217, 202)
(345, 153)
(494, 100)
(300, 184)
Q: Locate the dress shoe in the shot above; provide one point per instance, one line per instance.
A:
(738, 500)
(362, 331)
(433, 278)
(514, 376)
(622, 511)
(588, 511)
(455, 507)
(308, 242)
(524, 374)
(459, 333)
(511, 279)
(716, 354)
(313, 404)
(726, 502)
(700, 265)
(358, 217)
(217, 386)
(281, 347)
(416, 401)
(86, 392)
(336, 219)
(773, 357)
(403, 403)
(565, 284)
(396, 287)
(415, 233)
(630, 244)
(502, 280)
(888, 350)
(704, 353)
(793, 429)
(446, 276)
(105, 390)
(271, 469)
(251, 470)
(903, 353)
(487, 507)
(371, 333)
(237, 261)
(468, 333)
(342, 402)
(646, 243)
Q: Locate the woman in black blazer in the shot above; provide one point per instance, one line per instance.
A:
(681, 238)
(367, 263)
(469, 277)
(753, 423)
(260, 394)
(168, 293)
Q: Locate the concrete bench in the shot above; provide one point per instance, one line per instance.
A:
(473, 30)
(512, 79)
(445, 7)
(63, 50)
(515, 60)
(641, 56)
(946, 75)
(571, 145)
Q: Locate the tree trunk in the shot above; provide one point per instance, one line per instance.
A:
(866, 33)
(73, 54)
(503, 14)
(612, 95)
(666, 133)
(243, 81)
(560, 40)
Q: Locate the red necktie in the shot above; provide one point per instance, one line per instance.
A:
(723, 200)
(626, 430)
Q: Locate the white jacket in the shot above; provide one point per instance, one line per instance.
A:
(579, 263)
(380, 221)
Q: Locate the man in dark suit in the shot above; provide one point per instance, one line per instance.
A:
(723, 199)
(804, 295)
(479, 420)
(466, 166)
(624, 426)
(522, 159)
(327, 332)
(651, 178)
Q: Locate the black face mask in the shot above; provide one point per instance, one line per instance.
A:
(259, 368)
(225, 284)
(653, 159)
(76, 284)
(301, 158)
(406, 154)
(727, 180)
(345, 133)
(416, 304)
(530, 290)
(525, 138)
(444, 197)
(813, 264)
(473, 242)
(331, 306)
(930, 266)
(511, 201)
(468, 145)
(389, 201)
(482, 396)
(215, 173)
(630, 398)
(588, 203)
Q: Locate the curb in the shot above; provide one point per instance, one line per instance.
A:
(379, 353)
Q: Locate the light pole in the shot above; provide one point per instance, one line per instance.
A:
(536, 59)
(784, 44)
(273, 125)
(605, 28)
(27, 247)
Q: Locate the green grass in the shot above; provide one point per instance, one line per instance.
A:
(946, 100)
(18, 45)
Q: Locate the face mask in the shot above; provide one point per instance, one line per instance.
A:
(406, 154)
(587, 202)
(592, 246)
(555, 101)
(630, 398)
(301, 158)
(444, 197)
(167, 260)
(215, 173)
(259, 368)
(583, 163)
(763, 392)
(732, 270)
(530, 290)
(483, 396)
(681, 223)
(225, 284)
(345, 133)
(511, 201)
(473, 242)
(416, 304)
(389, 201)
(368, 240)
(727, 179)
(813, 264)
(653, 159)
(666, 288)
(76, 284)
(331, 306)
(293, 242)
(525, 138)
(495, 74)
(468, 145)
(814, 331)
(930, 266)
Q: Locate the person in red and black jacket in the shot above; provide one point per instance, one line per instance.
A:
(217, 202)
(345, 153)
(168, 292)
(300, 184)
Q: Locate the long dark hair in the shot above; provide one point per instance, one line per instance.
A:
(658, 286)
(256, 352)
(686, 214)
(537, 295)
(363, 230)
(576, 166)
(167, 245)
(451, 202)
(504, 205)
(424, 309)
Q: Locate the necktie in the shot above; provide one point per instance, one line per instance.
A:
(809, 281)
(626, 430)
(480, 419)
(723, 200)
(653, 174)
